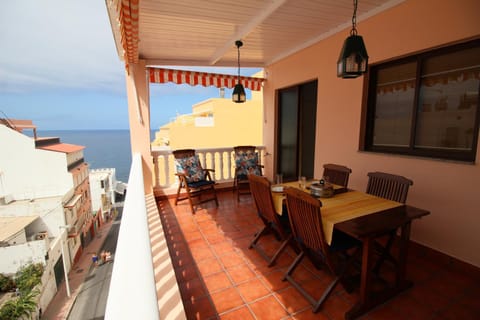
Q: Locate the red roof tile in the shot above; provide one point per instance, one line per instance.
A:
(62, 147)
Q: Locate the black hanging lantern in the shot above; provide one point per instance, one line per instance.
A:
(238, 95)
(353, 59)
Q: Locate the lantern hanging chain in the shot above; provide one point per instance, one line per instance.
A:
(238, 60)
(353, 32)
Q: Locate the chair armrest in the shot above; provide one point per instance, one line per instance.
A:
(207, 174)
(182, 177)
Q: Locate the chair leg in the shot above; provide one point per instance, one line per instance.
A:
(325, 295)
(178, 192)
(280, 250)
(257, 236)
(316, 304)
(215, 195)
(295, 263)
(270, 260)
(191, 204)
(190, 201)
(236, 189)
(294, 283)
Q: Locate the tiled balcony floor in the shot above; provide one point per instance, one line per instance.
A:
(220, 278)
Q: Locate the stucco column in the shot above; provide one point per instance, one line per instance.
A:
(139, 118)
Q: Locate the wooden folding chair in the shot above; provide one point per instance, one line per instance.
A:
(388, 186)
(392, 187)
(306, 224)
(196, 181)
(336, 174)
(246, 162)
(262, 194)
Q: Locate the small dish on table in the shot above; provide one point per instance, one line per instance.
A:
(277, 188)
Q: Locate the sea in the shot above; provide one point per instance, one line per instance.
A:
(103, 148)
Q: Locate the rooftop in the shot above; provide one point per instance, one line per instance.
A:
(9, 226)
(62, 147)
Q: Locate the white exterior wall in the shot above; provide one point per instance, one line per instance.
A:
(14, 257)
(26, 173)
(18, 238)
(50, 211)
(96, 190)
(49, 286)
(39, 182)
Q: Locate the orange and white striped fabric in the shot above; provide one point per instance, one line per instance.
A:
(128, 13)
(161, 75)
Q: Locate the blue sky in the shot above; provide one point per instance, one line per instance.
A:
(59, 67)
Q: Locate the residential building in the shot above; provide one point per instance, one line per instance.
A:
(44, 188)
(213, 123)
(102, 190)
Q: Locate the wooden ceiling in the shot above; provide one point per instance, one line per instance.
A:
(203, 33)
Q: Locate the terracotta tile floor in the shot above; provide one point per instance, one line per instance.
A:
(220, 278)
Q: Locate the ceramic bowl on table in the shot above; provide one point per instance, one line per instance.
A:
(322, 190)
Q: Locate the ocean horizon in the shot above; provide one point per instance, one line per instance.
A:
(105, 148)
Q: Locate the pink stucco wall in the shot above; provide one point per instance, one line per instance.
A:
(450, 190)
(139, 119)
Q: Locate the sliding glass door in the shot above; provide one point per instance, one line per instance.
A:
(296, 123)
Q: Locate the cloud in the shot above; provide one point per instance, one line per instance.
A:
(55, 43)
(58, 60)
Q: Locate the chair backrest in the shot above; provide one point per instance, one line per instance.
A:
(188, 164)
(261, 191)
(388, 186)
(246, 161)
(337, 174)
(183, 153)
(306, 221)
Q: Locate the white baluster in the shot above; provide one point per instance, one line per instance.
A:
(166, 169)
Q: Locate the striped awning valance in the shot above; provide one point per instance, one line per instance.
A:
(127, 19)
(161, 75)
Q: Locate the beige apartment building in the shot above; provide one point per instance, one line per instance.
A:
(215, 123)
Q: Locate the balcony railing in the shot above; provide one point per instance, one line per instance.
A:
(222, 160)
(138, 274)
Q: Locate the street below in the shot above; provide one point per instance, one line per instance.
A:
(91, 301)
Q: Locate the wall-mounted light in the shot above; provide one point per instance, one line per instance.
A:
(353, 59)
(238, 95)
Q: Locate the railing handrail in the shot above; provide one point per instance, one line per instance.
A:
(156, 150)
(218, 158)
(132, 293)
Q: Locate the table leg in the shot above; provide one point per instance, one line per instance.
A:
(364, 303)
(366, 278)
(369, 299)
(400, 278)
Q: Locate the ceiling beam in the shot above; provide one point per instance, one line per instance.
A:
(245, 29)
(339, 28)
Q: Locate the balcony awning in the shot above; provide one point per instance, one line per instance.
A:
(193, 78)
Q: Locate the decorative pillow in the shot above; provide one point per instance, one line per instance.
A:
(247, 163)
(191, 167)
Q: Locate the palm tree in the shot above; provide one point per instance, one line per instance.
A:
(21, 307)
(28, 277)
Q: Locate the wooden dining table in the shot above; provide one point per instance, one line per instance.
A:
(366, 217)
